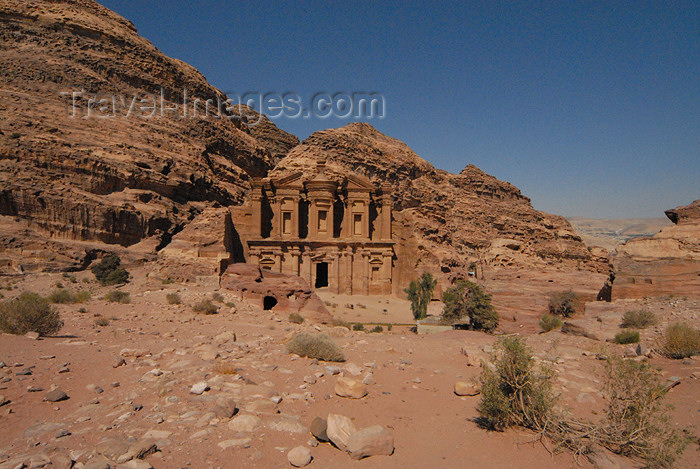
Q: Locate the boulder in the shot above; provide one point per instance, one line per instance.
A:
(350, 388)
(371, 441)
(339, 429)
(55, 396)
(463, 388)
(299, 456)
(318, 429)
(244, 423)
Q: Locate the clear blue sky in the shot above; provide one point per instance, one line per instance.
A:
(590, 108)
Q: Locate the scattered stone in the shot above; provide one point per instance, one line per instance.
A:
(487, 349)
(244, 423)
(310, 379)
(353, 369)
(118, 361)
(4, 400)
(225, 408)
(299, 456)
(371, 441)
(234, 442)
(318, 429)
(94, 388)
(63, 369)
(156, 435)
(463, 388)
(34, 389)
(32, 335)
(24, 372)
(56, 395)
(261, 406)
(135, 464)
(37, 461)
(62, 433)
(288, 424)
(350, 388)
(339, 428)
(332, 370)
(199, 388)
(369, 379)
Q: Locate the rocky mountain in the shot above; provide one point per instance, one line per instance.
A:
(110, 171)
(667, 263)
(453, 219)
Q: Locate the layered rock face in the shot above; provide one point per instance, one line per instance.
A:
(118, 176)
(443, 221)
(667, 263)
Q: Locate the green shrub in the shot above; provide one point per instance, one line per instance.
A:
(14, 135)
(117, 296)
(377, 329)
(167, 281)
(82, 310)
(61, 296)
(80, 297)
(109, 271)
(626, 337)
(218, 297)
(388, 327)
(469, 299)
(173, 298)
(296, 318)
(29, 313)
(205, 307)
(549, 322)
(341, 323)
(318, 346)
(638, 318)
(680, 341)
(358, 327)
(515, 393)
(419, 293)
(563, 303)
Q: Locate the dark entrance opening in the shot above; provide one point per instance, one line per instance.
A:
(321, 274)
(269, 302)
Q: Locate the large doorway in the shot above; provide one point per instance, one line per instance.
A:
(321, 275)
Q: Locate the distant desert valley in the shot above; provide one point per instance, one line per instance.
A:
(216, 293)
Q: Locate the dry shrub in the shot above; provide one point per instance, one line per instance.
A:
(63, 296)
(296, 318)
(626, 337)
(218, 297)
(117, 296)
(101, 321)
(205, 307)
(29, 313)
(318, 346)
(173, 299)
(222, 368)
(549, 322)
(680, 341)
(515, 392)
(377, 329)
(638, 319)
(563, 303)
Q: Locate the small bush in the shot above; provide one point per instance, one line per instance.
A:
(549, 322)
(563, 303)
(82, 310)
(14, 135)
(109, 271)
(218, 297)
(358, 327)
(638, 318)
(205, 307)
(173, 298)
(117, 296)
(296, 318)
(59, 285)
(29, 313)
(626, 337)
(167, 281)
(680, 341)
(61, 296)
(515, 393)
(388, 327)
(318, 346)
(101, 321)
(341, 323)
(377, 329)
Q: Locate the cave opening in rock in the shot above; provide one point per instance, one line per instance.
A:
(269, 302)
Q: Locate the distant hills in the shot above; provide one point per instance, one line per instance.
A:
(608, 233)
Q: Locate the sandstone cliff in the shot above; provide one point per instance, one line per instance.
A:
(118, 179)
(444, 220)
(667, 263)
